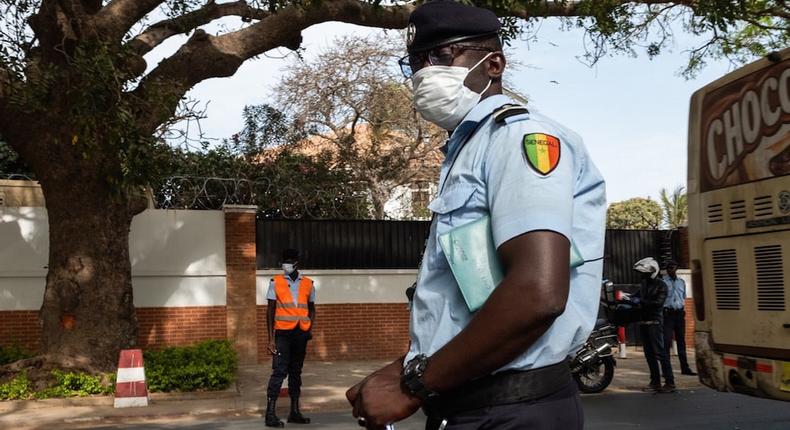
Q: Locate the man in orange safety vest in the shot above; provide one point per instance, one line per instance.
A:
(290, 315)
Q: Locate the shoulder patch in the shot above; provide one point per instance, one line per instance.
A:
(542, 152)
(508, 110)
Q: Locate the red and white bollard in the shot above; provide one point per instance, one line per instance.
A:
(130, 388)
(618, 295)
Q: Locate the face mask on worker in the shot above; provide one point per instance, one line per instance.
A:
(288, 268)
(440, 95)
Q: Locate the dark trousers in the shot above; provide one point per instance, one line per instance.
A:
(559, 411)
(291, 350)
(675, 323)
(655, 353)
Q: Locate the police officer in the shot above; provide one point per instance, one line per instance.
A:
(651, 297)
(289, 316)
(675, 315)
(504, 365)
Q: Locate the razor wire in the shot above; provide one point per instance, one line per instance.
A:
(213, 193)
(289, 202)
(16, 177)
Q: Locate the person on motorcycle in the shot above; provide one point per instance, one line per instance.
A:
(650, 299)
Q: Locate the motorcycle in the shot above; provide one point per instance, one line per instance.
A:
(593, 365)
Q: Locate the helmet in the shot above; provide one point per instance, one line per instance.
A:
(647, 265)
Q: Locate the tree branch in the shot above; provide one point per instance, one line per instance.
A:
(161, 31)
(572, 9)
(120, 15)
(205, 56)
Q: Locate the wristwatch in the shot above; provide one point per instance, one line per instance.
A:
(411, 378)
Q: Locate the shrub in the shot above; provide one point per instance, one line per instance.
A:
(12, 353)
(69, 384)
(15, 389)
(208, 365)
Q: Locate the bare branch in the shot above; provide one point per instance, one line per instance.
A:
(161, 31)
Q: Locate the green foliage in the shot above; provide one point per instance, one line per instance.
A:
(208, 365)
(674, 207)
(264, 127)
(12, 353)
(66, 384)
(16, 389)
(637, 213)
(310, 186)
(10, 163)
(286, 183)
(71, 384)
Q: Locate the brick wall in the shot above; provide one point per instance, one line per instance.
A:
(160, 327)
(364, 331)
(240, 282)
(20, 328)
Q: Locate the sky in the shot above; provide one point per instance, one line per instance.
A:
(631, 112)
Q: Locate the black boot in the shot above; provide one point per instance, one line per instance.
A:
(271, 415)
(296, 416)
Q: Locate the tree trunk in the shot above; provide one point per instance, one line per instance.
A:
(378, 200)
(88, 313)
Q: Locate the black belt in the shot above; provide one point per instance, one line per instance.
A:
(500, 389)
(673, 311)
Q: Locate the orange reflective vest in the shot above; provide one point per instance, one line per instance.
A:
(288, 313)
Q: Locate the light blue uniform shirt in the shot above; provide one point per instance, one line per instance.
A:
(676, 293)
(293, 285)
(492, 177)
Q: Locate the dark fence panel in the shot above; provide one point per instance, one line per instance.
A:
(623, 248)
(353, 244)
(367, 244)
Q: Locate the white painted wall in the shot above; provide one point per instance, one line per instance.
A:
(178, 258)
(350, 286)
(685, 275)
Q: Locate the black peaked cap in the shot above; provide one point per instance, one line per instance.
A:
(440, 22)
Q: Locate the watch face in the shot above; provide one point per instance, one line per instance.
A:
(415, 366)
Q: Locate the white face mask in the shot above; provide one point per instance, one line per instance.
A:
(288, 268)
(440, 95)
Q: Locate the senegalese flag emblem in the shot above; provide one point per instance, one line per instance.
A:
(542, 151)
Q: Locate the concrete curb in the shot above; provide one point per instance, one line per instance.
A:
(16, 405)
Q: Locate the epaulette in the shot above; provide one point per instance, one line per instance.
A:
(508, 110)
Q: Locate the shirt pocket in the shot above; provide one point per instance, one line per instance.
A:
(451, 209)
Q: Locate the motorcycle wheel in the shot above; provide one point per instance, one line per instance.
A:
(595, 378)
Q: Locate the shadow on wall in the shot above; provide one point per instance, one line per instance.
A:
(363, 331)
(178, 267)
(23, 259)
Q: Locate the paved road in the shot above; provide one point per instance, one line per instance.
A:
(688, 409)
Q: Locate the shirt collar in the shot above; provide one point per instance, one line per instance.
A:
(473, 119)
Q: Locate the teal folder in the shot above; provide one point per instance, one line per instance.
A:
(472, 257)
